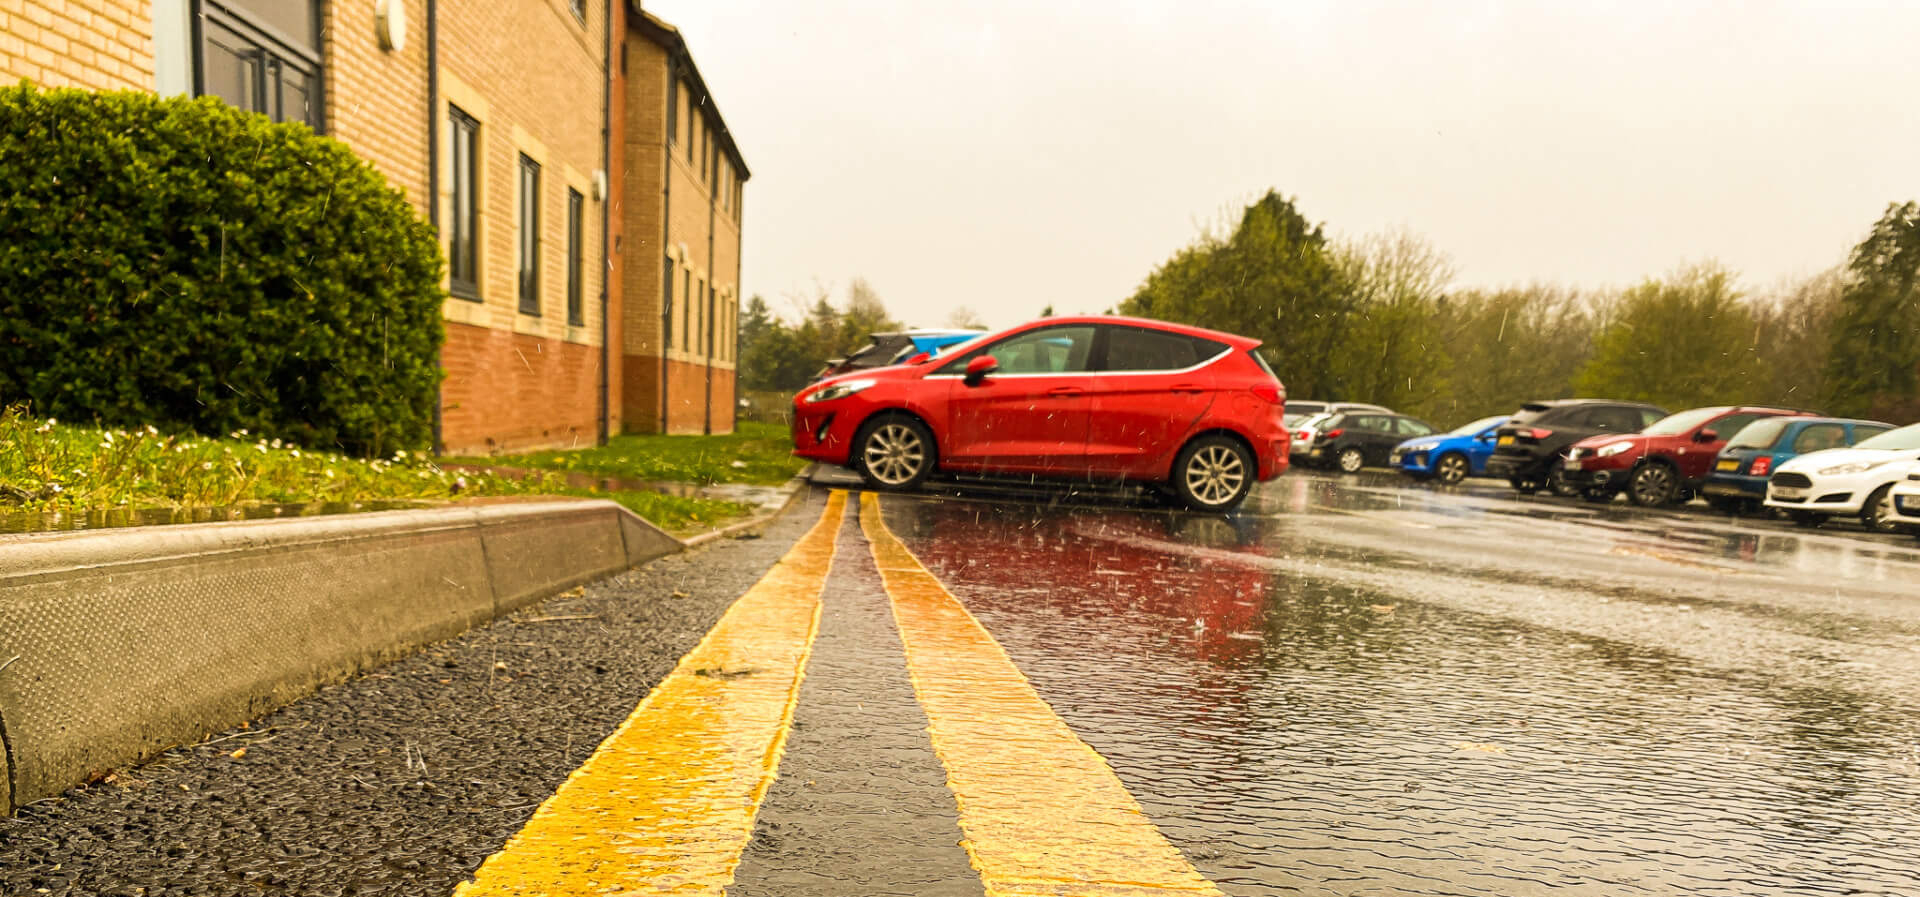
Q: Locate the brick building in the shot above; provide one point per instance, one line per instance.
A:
(505, 124)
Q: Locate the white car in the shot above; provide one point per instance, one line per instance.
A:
(1906, 498)
(1846, 482)
(1304, 433)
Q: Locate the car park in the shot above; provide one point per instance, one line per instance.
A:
(886, 349)
(1450, 457)
(1906, 499)
(1530, 447)
(1194, 412)
(1351, 440)
(1306, 429)
(1664, 463)
(1739, 478)
(1846, 482)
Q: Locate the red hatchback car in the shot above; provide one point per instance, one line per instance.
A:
(1193, 411)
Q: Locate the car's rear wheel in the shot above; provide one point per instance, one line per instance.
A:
(1352, 459)
(1877, 513)
(1213, 473)
(894, 452)
(1450, 469)
(1653, 485)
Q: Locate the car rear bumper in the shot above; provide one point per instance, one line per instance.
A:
(1511, 464)
(1735, 485)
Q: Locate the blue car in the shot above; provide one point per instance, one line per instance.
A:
(1448, 458)
(1739, 478)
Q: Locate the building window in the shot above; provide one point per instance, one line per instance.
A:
(262, 56)
(579, 8)
(666, 308)
(463, 264)
(706, 139)
(673, 110)
(576, 314)
(707, 320)
(686, 302)
(529, 236)
(693, 127)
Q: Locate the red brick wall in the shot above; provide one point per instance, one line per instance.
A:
(687, 386)
(508, 391)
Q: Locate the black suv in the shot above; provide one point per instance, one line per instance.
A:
(1355, 439)
(1529, 446)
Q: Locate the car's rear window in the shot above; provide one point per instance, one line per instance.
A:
(1759, 434)
(1676, 424)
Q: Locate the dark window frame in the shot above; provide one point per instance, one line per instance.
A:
(528, 184)
(576, 246)
(673, 109)
(274, 53)
(463, 268)
(579, 9)
(666, 308)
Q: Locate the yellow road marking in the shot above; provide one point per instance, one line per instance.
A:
(1043, 813)
(666, 803)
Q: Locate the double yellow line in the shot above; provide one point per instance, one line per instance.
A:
(667, 802)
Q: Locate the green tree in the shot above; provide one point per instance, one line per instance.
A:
(1873, 367)
(1509, 347)
(1795, 334)
(1679, 342)
(1395, 352)
(1272, 278)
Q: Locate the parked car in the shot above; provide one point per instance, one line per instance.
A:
(1350, 440)
(1530, 447)
(1906, 499)
(1664, 463)
(1739, 479)
(1449, 457)
(895, 348)
(1846, 482)
(1194, 412)
(1299, 411)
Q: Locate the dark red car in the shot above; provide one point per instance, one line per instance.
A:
(1195, 412)
(1666, 462)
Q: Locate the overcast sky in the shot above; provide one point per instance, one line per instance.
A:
(1010, 154)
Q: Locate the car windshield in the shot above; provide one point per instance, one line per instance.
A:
(1475, 427)
(1759, 434)
(1900, 440)
(1675, 424)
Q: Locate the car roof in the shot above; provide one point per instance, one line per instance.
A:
(1818, 419)
(1562, 403)
(1231, 339)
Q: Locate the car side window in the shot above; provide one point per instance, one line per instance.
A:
(1410, 427)
(1864, 431)
(1732, 424)
(1140, 349)
(1373, 423)
(1048, 350)
(1615, 420)
(1819, 436)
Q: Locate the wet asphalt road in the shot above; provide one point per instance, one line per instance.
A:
(1356, 686)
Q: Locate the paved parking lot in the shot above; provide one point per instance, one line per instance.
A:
(1356, 686)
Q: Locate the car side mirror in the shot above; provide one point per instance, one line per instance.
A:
(1706, 435)
(918, 358)
(979, 368)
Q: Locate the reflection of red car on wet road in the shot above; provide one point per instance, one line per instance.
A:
(1194, 411)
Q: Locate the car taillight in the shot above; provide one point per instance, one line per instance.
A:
(1761, 464)
(1268, 391)
(1303, 435)
(1538, 433)
(1335, 434)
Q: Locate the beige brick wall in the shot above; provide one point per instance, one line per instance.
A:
(95, 44)
(376, 100)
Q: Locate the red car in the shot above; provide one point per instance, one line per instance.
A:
(1667, 461)
(1193, 411)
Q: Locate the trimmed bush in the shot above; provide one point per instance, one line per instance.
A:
(186, 264)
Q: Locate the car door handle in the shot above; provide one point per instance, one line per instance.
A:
(1189, 388)
(1066, 391)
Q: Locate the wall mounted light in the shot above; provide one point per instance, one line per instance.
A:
(599, 185)
(390, 23)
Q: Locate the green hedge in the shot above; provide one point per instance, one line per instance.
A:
(182, 263)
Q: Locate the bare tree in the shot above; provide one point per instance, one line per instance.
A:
(964, 318)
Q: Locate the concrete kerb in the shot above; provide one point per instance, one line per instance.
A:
(119, 644)
(791, 488)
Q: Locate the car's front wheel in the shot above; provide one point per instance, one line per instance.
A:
(1877, 513)
(1450, 469)
(1213, 473)
(1653, 485)
(894, 452)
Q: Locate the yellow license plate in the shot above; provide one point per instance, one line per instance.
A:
(1728, 464)
(1506, 440)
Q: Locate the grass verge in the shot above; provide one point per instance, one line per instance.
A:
(49, 466)
(756, 453)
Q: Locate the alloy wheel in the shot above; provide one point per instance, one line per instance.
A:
(1453, 469)
(1351, 460)
(1878, 514)
(894, 454)
(1653, 485)
(1215, 474)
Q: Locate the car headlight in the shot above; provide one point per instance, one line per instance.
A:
(841, 390)
(1611, 449)
(1422, 447)
(1854, 467)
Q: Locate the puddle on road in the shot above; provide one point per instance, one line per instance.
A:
(1298, 735)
